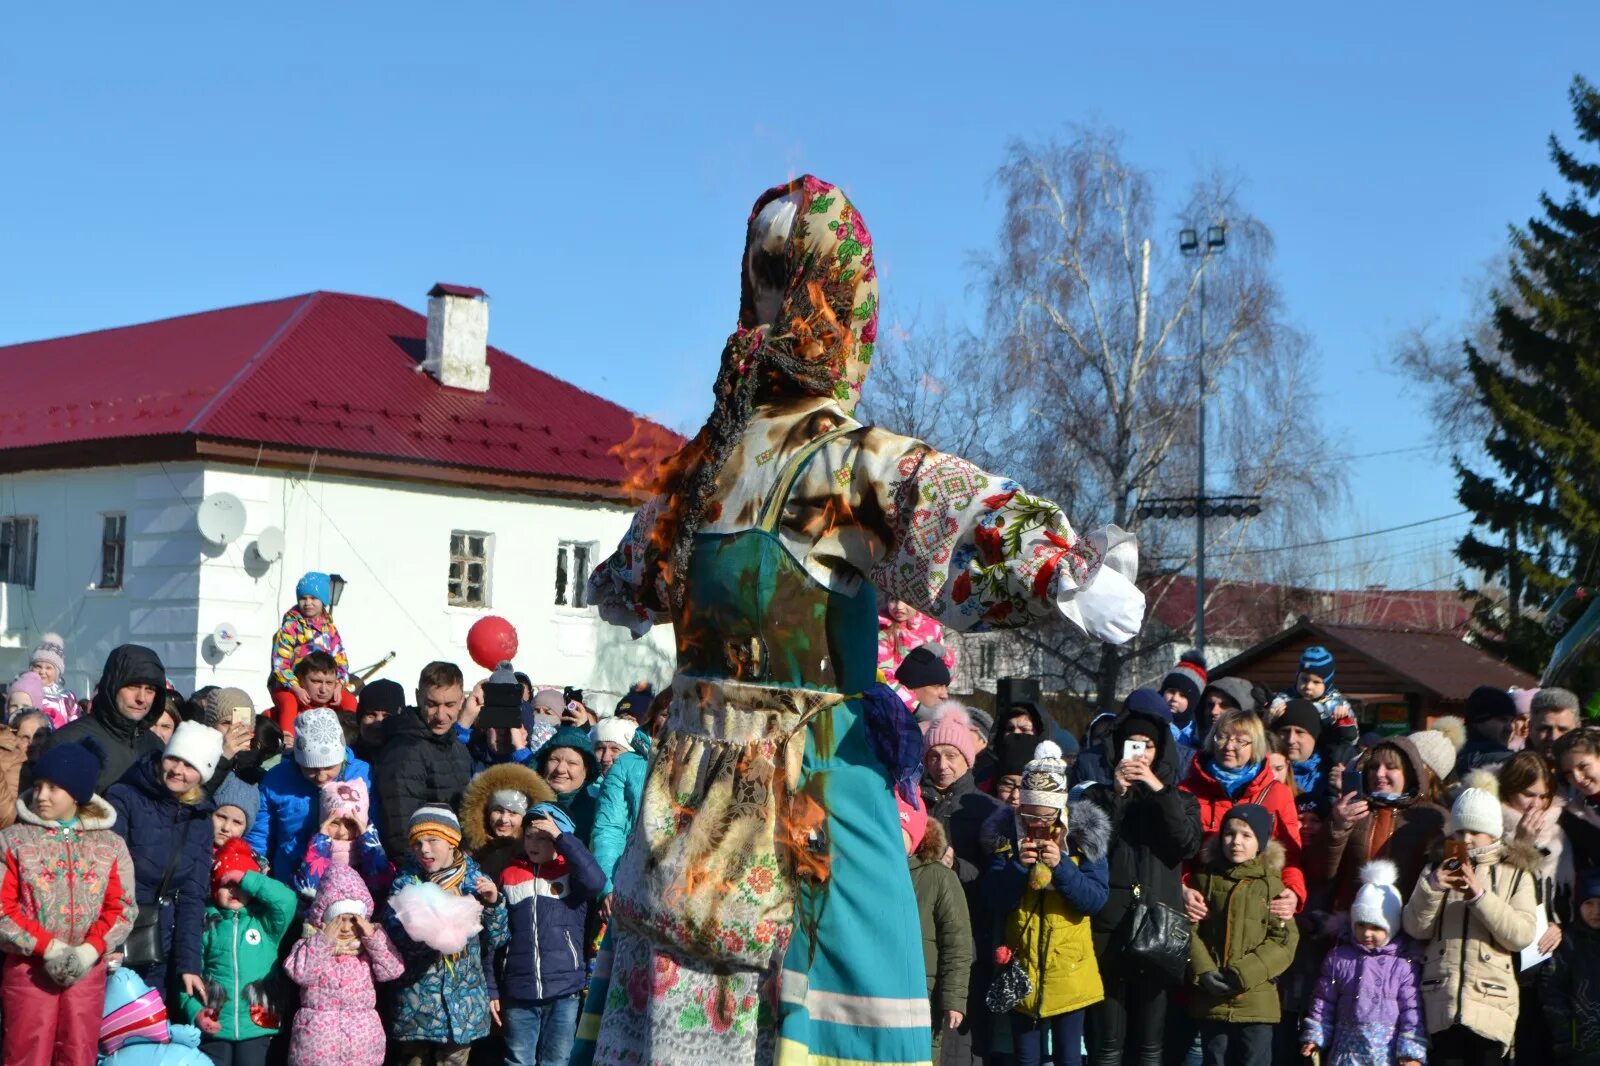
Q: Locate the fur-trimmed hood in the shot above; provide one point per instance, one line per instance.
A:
(511, 776)
(96, 814)
(933, 844)
(1273, 858)
(1088, 829)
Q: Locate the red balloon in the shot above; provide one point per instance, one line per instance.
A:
(491, 641)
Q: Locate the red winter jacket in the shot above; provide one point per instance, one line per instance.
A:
(1267, 792)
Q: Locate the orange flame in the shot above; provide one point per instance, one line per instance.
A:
(643, 456)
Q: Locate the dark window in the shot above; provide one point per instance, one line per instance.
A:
(469, 569)
(113, 547)
(572, 573)
(19, 550)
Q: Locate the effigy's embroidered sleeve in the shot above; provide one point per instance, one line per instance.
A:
(976, 551)
(616, 586)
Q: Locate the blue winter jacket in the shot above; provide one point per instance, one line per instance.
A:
(152, 821)
(291, 812)
(621, 797)
(544, 958)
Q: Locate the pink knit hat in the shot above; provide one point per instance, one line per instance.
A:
(346, 799)
(952, 726)
(914, 820)
(30, 683)
(1523, 699)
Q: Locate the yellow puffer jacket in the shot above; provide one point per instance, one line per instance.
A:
(1048, 928)
(1468, 974)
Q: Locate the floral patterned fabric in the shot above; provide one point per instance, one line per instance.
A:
(814, 516)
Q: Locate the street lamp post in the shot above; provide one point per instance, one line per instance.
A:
(1189, 244)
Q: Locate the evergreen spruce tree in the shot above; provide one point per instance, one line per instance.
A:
(1537, 517)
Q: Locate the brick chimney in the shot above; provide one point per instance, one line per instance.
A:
(458, 337)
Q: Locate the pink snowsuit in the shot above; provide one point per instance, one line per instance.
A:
(338, 1019)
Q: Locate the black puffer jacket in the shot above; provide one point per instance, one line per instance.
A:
(961, 811)
(122, 739)
(416, 768)
(1152, 833)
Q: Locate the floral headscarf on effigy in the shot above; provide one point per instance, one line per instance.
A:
(808, 323)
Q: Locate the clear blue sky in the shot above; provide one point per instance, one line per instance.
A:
(590, 166)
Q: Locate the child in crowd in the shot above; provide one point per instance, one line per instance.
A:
(291, 791)
(346, 837)
(946, 928)
(1569, 987)
(248, 916)
(1474, 908)
(307, 627)
(493, 810)
(1365, 1009)
(1047, 876)
(337, 966)
(67, 900)
(1314, 682)
(49, 662)
(1239, 948)
(547, 895)
(235, 812)
(26, 693)
(441, 1004)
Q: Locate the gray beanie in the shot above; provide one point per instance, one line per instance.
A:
(236, 793)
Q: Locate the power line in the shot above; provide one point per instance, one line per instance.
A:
(1353, 536)
(1299, 464)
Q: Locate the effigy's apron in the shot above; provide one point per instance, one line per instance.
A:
(763, 909)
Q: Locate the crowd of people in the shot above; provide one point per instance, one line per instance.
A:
(1212, 873)
(1221, 874)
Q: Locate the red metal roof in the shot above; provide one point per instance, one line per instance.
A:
(1244, 612)
(326, 371)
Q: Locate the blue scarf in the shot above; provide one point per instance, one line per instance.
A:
(1232, 781)
(1308, 774)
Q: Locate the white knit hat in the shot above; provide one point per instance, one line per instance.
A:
(318, 739)
(1377, 901)
(1477, 810)
(344, 906)
(615, 730)
(1044, 778)
(1439, 745)
(50, 649)
(198, 745)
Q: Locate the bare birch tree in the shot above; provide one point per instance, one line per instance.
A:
(1093, 335)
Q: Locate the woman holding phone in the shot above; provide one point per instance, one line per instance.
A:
(1155, 828)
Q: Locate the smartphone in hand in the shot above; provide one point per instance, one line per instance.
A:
(1455, 855)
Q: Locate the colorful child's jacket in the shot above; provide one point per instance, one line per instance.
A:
(1366, 1008)
(239, 958)
(443, 999)
(298, 637)
(71, 882)
(367, 858)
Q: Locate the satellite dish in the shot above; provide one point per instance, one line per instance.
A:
(269, 544)
(220, 518)
(225, 638)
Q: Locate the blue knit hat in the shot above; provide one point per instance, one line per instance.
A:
(1317, 660)
(315, 584)
(1149, 703)
(72, 767)
(234, 792)
(1588, 884)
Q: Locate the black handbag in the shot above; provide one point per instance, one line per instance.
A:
(1011, 986)
(1156, 937)
(143, 949)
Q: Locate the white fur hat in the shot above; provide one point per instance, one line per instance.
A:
(1044, 778)
(1377, 901)
(1477, 809)
(615, 730)
(198, 745)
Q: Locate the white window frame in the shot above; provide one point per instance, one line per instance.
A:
(575, 561)
(19, 568)
(458, 584)
(121, 543)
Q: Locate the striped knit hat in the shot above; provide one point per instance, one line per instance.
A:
(1317, 660)
(141, 1017)
(1044, 779)
(435, 821)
